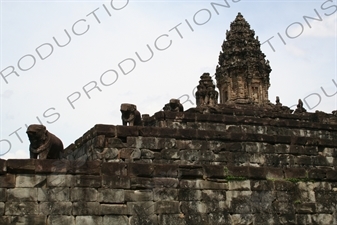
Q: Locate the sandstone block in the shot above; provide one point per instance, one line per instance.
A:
(83, 194)
(22, 195)
(60, 220)
(239, 185)
(169, 219)
(89, 220)
(55, 208)
(141, 208)
(21, 208)
(115, 209)
(85, 208)
(51, 166)
(2, 208)
(30, 180)
(7, 181)
(167, 207)
(138, 195)
(56, 194)
(60, 180)
(170, 154)
(189, 195)
(3, 196)
(144, 219)
(110, 195)
(193, 207)
(21, 165)
(116, 182)
(191, 172)
(113, 219)
(115, 169)
(87, 181)
(165, 194)
(27, 220)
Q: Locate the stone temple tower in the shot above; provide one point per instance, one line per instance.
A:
(243, 73)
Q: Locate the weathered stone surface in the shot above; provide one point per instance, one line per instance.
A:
(30, 180)
(193, 207)
(89, 220)
(189, 172)
(141, 208)
(52, 166)
(60, 180)
(87, 181)
(84, 194)
(189, 195)
(2, 208)
(85, 167)
(60, 220)
(22, 194)
(3, 195)
(26, 220)
(138, 195)
(144, 219)
(165, 194)
(3, 167)
(55, 194)
(120, 220)
(167, 207)
(239, 185)
(201, 184)
(168, 219)
(21, 208)
(113, 169)
(85, 208)
(141, 170)
(106, 195)
(56, 208)
(166, 171)
(115, 209)
(116, 182)
(7, 181)
(21, 165)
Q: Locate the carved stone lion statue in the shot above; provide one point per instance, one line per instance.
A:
(43, 144)
(174, 106)
(130, 115)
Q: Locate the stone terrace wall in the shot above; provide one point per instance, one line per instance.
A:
(280, 140)
(62, 192)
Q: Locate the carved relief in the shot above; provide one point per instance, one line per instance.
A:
(243, 62)
(206, 95)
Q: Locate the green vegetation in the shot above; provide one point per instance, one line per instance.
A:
(296, 180)
(297, 201)
(231, 177)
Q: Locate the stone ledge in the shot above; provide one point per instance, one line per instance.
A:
(121, 173)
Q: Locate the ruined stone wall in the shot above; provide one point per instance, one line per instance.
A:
(65, 192)
(183, 168)
(279, 140)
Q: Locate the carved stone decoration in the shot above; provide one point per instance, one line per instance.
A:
(300, 108)
(174, 106)
(43, 144)
(206, 95)
(242, 73)
(130, 115)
